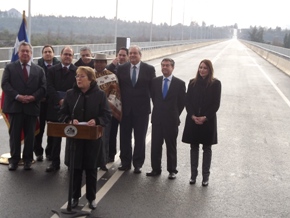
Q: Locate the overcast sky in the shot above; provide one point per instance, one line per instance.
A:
(245, 13)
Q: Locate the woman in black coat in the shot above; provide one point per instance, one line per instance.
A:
(89, 105)
(202, 102)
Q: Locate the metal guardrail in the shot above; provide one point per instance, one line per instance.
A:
(283, 52)
(109, 48)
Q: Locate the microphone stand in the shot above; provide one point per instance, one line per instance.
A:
(68, 212)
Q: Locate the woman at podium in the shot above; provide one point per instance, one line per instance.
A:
(85, 104)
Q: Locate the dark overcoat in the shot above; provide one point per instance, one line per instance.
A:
(58, 82)
(91, 105)
(202, 100)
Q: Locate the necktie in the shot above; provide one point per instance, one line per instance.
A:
(48, 66)
(64, 69)
(25, 72)
(134, 76)
(165, 87)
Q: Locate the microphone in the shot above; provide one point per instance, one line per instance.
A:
(73, 110)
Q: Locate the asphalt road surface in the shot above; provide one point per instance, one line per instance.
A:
(250, 173)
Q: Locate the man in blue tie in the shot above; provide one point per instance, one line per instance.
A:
(168, 96)
(135, 79)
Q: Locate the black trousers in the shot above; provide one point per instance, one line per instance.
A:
(38, 150)
(91, 183)
(138, 123)
(160, 133)
(19, 122)
(55, 151)
(206, 160)
(113, 138)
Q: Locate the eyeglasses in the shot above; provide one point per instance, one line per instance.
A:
(80, 76)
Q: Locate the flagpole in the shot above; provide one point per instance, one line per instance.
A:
(29, 21)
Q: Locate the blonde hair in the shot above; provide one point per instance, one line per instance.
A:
(88, 71)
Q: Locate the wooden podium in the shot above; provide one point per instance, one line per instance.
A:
(75, 132)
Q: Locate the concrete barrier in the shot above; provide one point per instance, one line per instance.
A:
(279, 61)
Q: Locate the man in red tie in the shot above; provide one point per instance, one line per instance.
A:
(45, 62)
(24, 84)
(60, 78)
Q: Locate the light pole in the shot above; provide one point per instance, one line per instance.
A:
(116, 22)
(29, 21)
(170, 20)
(151, 20)
(183, 20)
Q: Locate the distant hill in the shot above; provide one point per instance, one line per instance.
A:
(11, 13)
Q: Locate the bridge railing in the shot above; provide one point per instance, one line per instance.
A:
(109, 49)
(284, 52)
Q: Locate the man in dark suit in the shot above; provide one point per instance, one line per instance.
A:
(45, 62)
(168, 97)
(61, 78)
(122, 58)
(135, 78)
(24, 85)
(86, 58)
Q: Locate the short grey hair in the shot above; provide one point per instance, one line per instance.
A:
(137, 47)
(85, 48)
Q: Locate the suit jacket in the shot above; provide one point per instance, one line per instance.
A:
(169, 109)
(41, 63)
(137, 98)
(13, 84)
(58, 82)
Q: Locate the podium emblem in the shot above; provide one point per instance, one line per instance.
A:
(70, 131)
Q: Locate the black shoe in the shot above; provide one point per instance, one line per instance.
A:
(124, 168)
(74, 203)
(52, 168)
(39, 158)
(171, 176)
(111, 160)
(192, 181)
(12, 166)
(92, 204)
(204, 183)
(153, 173)
(137, 170)
(104, 168)
(27, 166)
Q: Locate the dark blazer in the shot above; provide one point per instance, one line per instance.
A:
(202, 101)
(81, 63)
(137, 98)
(13, 83)
(41, 63)
(169, 109)
(58, 81)
(91, 105)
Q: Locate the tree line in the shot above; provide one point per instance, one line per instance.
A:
(92, 30)
(58, 30)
